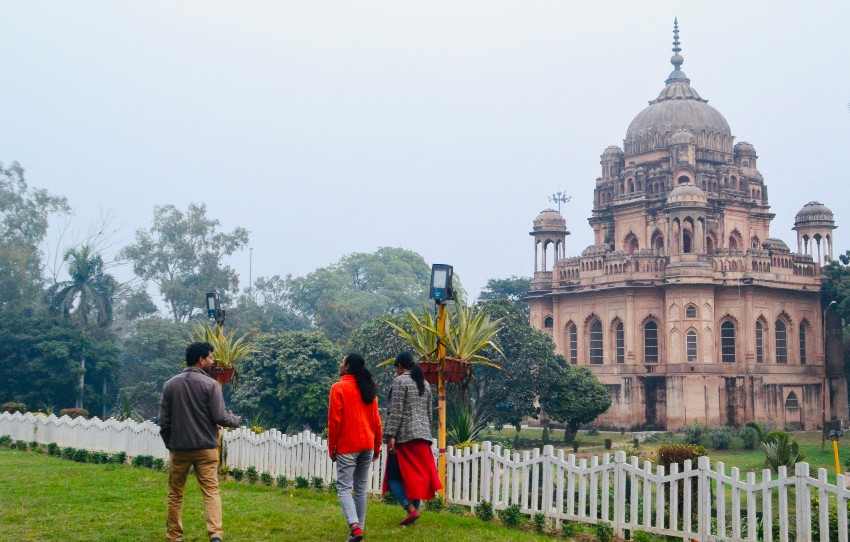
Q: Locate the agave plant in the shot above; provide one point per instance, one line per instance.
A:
(227, 349)
(781, 450)
(464, 422)
(423, 338)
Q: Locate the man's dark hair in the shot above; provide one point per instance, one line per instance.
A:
(196, 351)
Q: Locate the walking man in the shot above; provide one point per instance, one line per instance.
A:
(190, 411)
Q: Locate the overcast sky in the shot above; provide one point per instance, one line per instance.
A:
(327, 128)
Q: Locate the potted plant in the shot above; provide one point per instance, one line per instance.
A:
(468, 332)
(227, 351)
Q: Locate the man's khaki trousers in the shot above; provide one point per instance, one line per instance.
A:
(206, 471)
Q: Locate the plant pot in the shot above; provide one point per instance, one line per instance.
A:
(222, 374)
(455, 370)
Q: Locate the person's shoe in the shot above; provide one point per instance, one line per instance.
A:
(215, 539)
(411, 517)
(356, 535)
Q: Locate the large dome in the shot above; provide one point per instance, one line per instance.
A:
(678, 107)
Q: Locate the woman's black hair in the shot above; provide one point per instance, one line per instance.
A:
(405, 361)
(365, 382)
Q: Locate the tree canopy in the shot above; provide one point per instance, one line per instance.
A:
(513, 289)
(575, 397)
(183, 254)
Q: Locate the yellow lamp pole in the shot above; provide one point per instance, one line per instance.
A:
(835, 452)
(441, 398)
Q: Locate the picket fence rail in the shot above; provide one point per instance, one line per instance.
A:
(696, 502)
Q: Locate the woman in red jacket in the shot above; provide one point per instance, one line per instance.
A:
(354, 438)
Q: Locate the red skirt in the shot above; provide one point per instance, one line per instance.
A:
(417, 469)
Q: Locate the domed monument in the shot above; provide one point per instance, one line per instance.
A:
(684, 306)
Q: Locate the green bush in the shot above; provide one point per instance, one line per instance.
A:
(52, 448)
(389, 498)
(640, 536)
(13, 407)
(74, 413)
(158, 463)
(539, 522)
(332, 486)
(569, 529)
(237, 474)
(694, 432)
(252, 475)
(81, 456)
(607, 444)
(750, 437)
(318, 483)
(282, 481)
(5, 441)
(435, 505)
(266, 479)
(678, 453)
(34, 446)
(20, 445)
(99, 457)
(118, 458)
(68, 453)
(511, 516)
(721, 437)
(484, 511)
(592, 430)
(455, 509)
(301, 482)
(604, 532)
(146, 461)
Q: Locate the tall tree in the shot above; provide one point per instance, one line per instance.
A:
(183, 254)
(341, 297)
(288, 379)
(513, 289)
(24, 214)
(86, 298)
(376, 341)
(575, 397)
(267, 309)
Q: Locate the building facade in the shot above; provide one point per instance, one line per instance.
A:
(684, 306)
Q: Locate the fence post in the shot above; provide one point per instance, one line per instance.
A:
(803, 501)
(704, 500)
(619, 493)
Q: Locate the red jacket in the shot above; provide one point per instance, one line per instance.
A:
(353, 426)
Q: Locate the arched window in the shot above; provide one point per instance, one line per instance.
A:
(650, 342)
(620, 342)
(791, 401)
(573, 334)
(691, 311)
(759, 342)
(803, 354)
(687, 243)
(727, 342)
(781, 342)
(548, 322)
(691, 345)
(595, 343)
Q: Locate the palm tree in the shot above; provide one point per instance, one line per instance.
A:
(86, 297)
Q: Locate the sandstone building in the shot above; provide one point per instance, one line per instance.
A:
(685, 307)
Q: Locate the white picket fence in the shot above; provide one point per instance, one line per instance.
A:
(697, 502)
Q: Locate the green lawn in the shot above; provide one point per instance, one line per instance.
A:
(47, 499)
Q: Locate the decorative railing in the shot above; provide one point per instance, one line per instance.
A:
(695, 502)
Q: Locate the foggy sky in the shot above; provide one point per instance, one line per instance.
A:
(327, 128)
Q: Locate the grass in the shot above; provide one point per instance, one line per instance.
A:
(47, 499)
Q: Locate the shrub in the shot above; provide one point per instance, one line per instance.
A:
(68, 453)
(237, 474)
(266, 479)
(455, 509)
(539, 522)
(81, 456)
(74, 413)
(636, 442)
(434, 505)
(282, 481)
(252, 475)
(120, 458)
(720, 437)
(318, 483)
(484, 511)
(157, 463)
(607, 444)
(99, 457)
(640, 536)
(5, 441)
(592, 430)
(678, 453)
(604, 532)
(660, 438)
(20, 445)
(569, 529)
(52, 448)
(332, 486)
(301, 482)
(622, 430)
(389, 498)
(34, 446)
(694, 432)
(12, 407)
(750, 437)
(511, 516)
(143, 461)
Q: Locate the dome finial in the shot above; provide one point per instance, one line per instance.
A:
(677, 60)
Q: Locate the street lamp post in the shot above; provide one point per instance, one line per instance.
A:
(214, 311)
(441, 291)
(825, 362)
